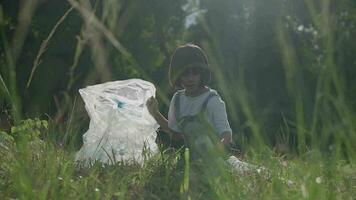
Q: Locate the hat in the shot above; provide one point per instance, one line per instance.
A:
(188, 56)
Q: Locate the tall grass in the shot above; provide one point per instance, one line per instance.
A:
(34, 166)
(10, 88)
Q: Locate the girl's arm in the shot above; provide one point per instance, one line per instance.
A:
(220, 121)
(152, 106)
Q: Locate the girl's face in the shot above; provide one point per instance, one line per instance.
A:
(191, 80)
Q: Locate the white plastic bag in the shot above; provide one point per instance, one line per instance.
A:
(120, 125)
(239, 166)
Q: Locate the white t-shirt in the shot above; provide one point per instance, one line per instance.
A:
(215, 110)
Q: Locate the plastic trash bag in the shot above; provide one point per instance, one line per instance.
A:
(244, 168)
(120, 126)
(240, 166)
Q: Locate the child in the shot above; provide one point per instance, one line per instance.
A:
(196, 114)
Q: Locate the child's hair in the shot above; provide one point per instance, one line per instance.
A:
(187, 56)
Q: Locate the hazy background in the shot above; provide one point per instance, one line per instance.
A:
(285, 68)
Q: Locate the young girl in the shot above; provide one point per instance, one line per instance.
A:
(197, 114)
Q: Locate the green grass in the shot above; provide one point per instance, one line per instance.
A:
(32, 168)
(37, 160)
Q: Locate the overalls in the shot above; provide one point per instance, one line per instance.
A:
(200, 136)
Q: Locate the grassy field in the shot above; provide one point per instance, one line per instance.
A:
(34, 168)
(37, 156)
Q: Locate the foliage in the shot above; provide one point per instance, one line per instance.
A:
(284, 68)
(280, 63)
(7, 157)
(29, 129)
(52, 173)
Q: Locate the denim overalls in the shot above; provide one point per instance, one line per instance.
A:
(200, 136)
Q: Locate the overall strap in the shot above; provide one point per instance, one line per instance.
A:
(205, 103)
(177, 105)
(203, 108)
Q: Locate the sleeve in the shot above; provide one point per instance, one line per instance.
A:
(217, 114)
(172, 121)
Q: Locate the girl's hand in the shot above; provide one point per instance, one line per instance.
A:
(226, 138)
(152, 106)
